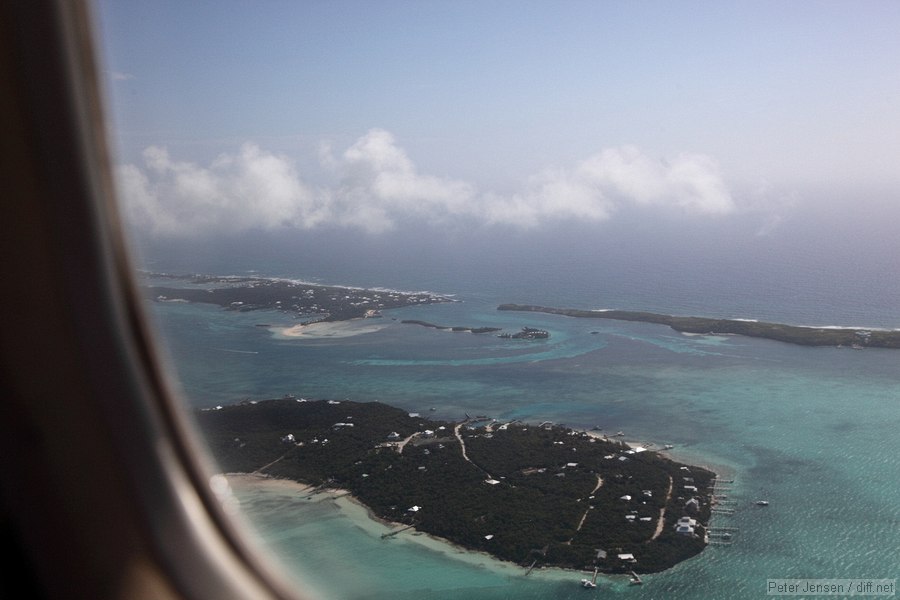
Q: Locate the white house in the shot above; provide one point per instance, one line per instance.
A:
(685, 526)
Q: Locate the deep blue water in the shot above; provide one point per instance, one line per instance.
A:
(813, 430)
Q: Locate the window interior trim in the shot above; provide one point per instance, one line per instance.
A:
(150, 472)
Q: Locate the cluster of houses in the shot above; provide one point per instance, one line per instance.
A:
(687, 525)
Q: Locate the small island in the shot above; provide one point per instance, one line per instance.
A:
(791, 334)
(533, 494)
(453, 328)
(527, 333)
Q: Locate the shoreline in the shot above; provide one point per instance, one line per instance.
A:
(348, 504)
(676, 453)
(353, 509)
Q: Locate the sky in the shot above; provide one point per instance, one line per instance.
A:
(376, 117)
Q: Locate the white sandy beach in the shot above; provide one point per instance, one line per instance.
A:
(362, 517)
(336, 329)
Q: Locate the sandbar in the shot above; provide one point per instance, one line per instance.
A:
(328, 329)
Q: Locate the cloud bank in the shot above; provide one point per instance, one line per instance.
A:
(377, 187)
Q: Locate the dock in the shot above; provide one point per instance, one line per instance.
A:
(721, 536)
(721, 506)
(395, 532)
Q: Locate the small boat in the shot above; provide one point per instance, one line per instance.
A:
(592, 582)
(635, 580)
(762, 502)
(668, 446)
(620, 433)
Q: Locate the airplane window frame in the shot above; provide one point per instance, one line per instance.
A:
(109, 492)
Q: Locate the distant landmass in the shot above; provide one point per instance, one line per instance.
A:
(316, 302)
(791, 334)
(536, 495)
(313, 302)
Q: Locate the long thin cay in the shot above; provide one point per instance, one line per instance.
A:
(791, 334)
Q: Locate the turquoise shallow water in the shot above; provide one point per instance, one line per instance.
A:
(812, 430)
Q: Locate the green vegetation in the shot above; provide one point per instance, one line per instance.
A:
(526, 493)
(791, 334)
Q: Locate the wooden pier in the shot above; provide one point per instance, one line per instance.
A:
(396, 531)
(721, 506)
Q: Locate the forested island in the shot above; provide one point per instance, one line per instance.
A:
(535, 495)
(792, 334)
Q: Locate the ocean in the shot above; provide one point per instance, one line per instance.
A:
(811, 430)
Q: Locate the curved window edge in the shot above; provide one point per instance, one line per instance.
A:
(109, 490)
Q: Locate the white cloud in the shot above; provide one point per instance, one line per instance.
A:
(690, 181)
(251, 189)
(375, 171)
(120, 76)
(378, 185)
